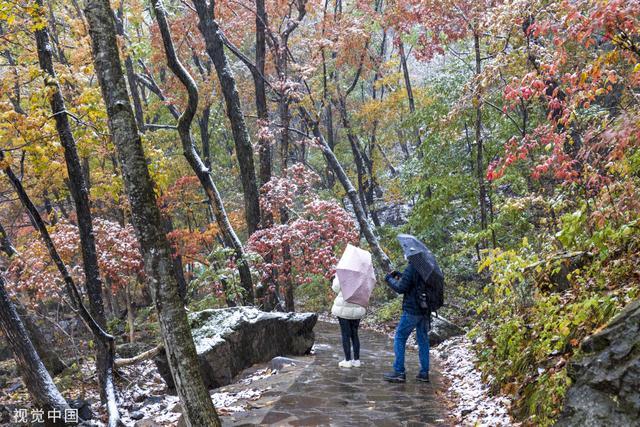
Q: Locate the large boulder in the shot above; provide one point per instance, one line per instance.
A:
(393, 214)
(229, 340)
(606, 379)
(442, 329)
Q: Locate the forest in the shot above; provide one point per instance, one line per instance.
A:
(169, 166)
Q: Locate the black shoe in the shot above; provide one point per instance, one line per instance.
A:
(424, 378)
(395, 377)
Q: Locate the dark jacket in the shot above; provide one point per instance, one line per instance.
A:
(407, 285)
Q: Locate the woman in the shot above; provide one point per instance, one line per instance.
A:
(349, 316)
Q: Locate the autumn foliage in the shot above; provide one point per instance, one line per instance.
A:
(33, 273)
(315, 235)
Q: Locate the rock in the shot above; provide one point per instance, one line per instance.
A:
(83, 407)
(467, 411)
(14, 387)
(147, 423)
(605, 388)
(70, 325)
(279, 362)
(442, 329)
(6, 414)
(8, 371)
(139, 397)
(394, 215)
(152, 400)
(568, 263)
(229, 340)
(136, 415)
(131, 349)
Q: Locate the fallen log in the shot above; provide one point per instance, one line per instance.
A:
(145, 355)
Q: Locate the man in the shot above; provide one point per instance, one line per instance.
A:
(413, 317)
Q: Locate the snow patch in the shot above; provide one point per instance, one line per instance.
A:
(474, 405)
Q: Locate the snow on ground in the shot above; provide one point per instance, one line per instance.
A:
(473, 404)
(142, 392)
(145, 398)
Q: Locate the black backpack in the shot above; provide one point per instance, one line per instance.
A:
(431, 293)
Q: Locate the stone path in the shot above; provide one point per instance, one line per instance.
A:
(324, 394)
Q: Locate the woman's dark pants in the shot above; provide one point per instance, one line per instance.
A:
(349, 330)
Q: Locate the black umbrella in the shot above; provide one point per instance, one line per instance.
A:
(420, 256)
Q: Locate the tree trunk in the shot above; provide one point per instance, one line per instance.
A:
(52, 218)
(374, 93)
(71, 289)
(285, 118)
(100, 335)
(352, 194)
(86, 173)
(265, 150)
(78, 189)
(178, 342)
(177, 260)
(328, 111)
(194, 160)
(43, 391)
(328, 124)
(130, 314)
(407, 84)
(364, 166)
(45, 349)
(261, 97)
(131, 75)
(43, 346)
(111, 303)
(203, 124)
(215, 49)
(6, 245)
(482, 191)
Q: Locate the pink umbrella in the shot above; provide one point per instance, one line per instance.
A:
(356, 276)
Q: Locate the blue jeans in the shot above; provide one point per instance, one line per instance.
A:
(409, 322)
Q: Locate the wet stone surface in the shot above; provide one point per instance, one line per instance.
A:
(324, 394)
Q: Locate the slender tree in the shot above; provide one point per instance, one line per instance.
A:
(244, 151)
(365, 227)
(262, 110)
(42, 389)
(80, 194)
(72, 291)
(176, 333)
(480, 167)
(192, 156)
(409, 88)
(43, 346)
(130, 71)
(6, 245)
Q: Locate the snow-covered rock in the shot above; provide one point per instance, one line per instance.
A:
(229, 340)
(442, 329)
